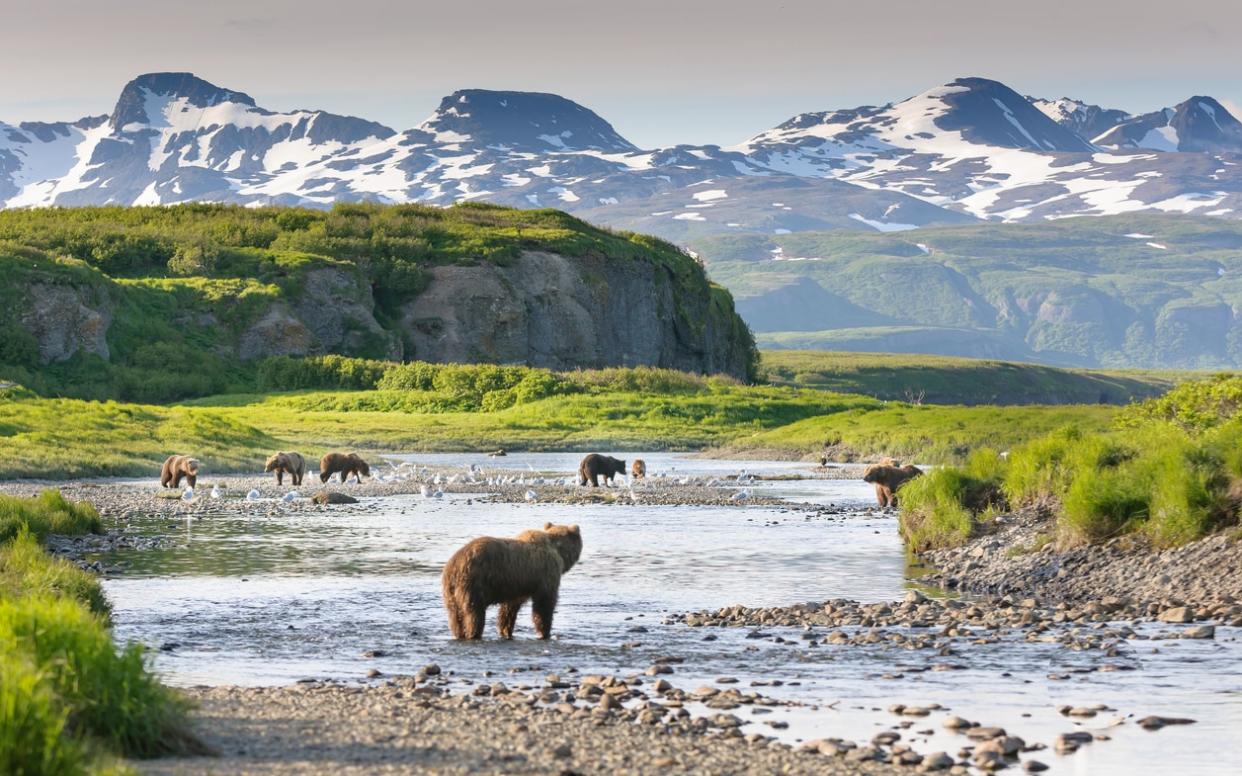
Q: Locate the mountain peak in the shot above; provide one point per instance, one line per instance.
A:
(528, 120)
(131, 106)
(1198, 124)
(990, 113)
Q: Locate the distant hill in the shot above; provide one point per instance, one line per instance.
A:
(942, 380)
(1131, 291)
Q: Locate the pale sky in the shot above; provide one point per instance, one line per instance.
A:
(661, 71)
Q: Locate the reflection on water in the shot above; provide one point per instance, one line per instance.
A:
(274, 599)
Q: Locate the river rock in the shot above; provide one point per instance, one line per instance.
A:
(332, 497)
(1178, 614)
(1200, 632)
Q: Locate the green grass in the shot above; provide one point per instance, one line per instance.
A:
(1169, 469)
(26, 570)
(49, 513)
(71, 701)
(948, 380)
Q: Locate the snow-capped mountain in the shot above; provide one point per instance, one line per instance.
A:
(970, 149)
(1084, 120)
(1199, 124)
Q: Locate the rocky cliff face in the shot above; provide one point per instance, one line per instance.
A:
(556, 312)
(543, 310)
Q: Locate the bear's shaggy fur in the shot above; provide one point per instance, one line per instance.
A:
(595, 466)
(284, 463)
(638, 469)
(888, 476)
(346, 464)
(178, 466)
(509, 572)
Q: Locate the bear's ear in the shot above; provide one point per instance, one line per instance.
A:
(547, 526)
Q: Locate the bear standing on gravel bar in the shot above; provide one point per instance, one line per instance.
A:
(178, 466)
(283, 463)
(638, 469)
(509, 572)
(346, 464)
(888, 476)
(595, 466)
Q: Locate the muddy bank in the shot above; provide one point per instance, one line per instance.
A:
(1196, 581)
(408, 726)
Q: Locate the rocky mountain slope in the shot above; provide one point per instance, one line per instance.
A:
(963, 151)
(1135, 290)
(154, 302)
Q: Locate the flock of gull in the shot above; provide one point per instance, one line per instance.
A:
(431, 487)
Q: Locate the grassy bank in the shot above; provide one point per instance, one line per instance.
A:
(946, 380)
(314, 405)
(70, 701)
(1169, 469)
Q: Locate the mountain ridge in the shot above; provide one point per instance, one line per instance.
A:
(971, 149)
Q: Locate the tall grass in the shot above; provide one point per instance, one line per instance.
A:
(33, 736)
(49, 513)
(26, 570)
(945, 506)
(109, 694)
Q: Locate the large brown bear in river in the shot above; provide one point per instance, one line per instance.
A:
(595, 466)
(888, 476)
(346, 464)
(639, 469)
(178, 466)
(283, 463)
(509, 572)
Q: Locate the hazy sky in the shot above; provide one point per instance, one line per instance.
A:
(661, 71)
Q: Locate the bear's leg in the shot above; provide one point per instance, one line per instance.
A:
(324, 477)
(280, 476)
(541, 608)
(177, 479)
(454, 618)
(594, 480)
(473, 617)
(506, 618)
(879, 495)
(191, 479)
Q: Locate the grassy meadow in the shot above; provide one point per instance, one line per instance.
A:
(332, 402)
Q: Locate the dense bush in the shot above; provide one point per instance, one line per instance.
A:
(1171, 470)
(283, 373)
(944, 507)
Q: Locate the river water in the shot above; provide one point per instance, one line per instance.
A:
(270, 600)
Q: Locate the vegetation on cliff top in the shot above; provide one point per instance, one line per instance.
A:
(1169, 469)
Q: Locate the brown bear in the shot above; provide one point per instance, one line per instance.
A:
(509, 572)
(284, 463)
(346, 464)
(888, 476)
(178, 466)
(639, 469)
(595, 466)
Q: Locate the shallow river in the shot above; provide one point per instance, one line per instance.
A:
(273, 600)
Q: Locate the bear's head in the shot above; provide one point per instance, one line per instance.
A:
(363, 468)
(567, 540)
(191, 465)
(277, 460)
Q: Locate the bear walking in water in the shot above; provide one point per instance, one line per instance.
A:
(595, 466)
(283, 463)
(639, 469)
(175, 468)
(346, 465)
(888, 476)
(509, 572)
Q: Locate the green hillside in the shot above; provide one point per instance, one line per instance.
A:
(1132, 291)
(945, 380)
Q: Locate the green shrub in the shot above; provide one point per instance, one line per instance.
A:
(282, 373)
(933, 513)
(109, 694)
(1194, 406)
(26, 570)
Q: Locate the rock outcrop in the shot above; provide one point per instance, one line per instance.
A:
(558, 312)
